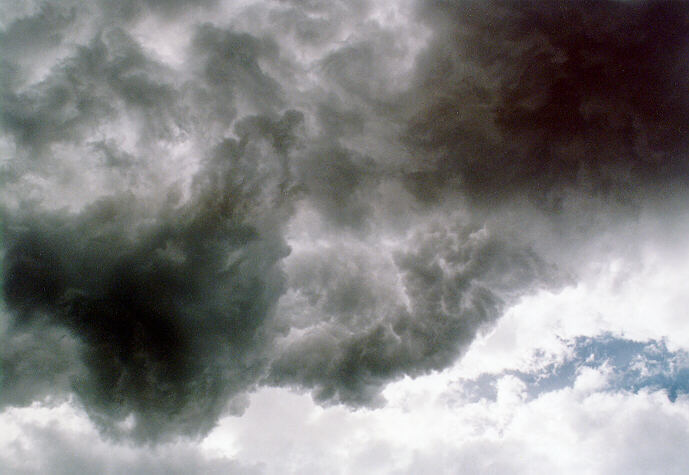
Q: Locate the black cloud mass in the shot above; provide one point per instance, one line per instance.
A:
(198, 199)
(536, 97)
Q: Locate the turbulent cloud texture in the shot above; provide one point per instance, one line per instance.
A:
(202, 198)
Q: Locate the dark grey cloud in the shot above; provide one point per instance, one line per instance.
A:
(279, 131)
(43, 30)
(154, 308)
(132, 10)
(158, 309)
(457, 280)
(167, 315)
(533, 98)
(231, 66)
(36, 363)
(337, 180)
(109, 77)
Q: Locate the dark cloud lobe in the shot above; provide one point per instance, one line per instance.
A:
(167, 315)
(534, 97)
(164, 307)
(155, 308)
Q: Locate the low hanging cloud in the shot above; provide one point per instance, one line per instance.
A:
(287, 202)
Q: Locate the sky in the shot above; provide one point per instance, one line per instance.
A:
(304, 236)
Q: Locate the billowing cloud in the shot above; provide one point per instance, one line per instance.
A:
(322, 196)
(167, 309)
(362, 318)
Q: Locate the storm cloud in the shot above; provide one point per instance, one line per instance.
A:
(317, 196)
(167, 309)
(535, 98)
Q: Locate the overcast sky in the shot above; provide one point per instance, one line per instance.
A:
(304, 236)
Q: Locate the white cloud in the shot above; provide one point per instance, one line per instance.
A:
(61, 439)
(575, 430)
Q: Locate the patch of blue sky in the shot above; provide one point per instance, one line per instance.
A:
(630, 366)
